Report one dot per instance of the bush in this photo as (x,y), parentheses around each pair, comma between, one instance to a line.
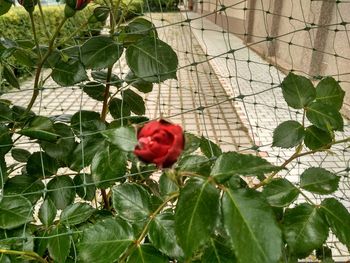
(16,25)
(129,8)
(160,5)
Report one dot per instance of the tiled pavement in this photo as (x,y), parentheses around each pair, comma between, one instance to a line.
(198,99)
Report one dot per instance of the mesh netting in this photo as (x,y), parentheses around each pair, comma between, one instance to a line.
(233,56)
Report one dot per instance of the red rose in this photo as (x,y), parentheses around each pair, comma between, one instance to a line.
(160,142)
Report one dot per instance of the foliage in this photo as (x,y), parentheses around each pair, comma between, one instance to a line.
(160,5)
(16,25)
(200,210)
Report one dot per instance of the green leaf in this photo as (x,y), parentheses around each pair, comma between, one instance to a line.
(100,52)
(319,181)
(234,164)
(41,128)
(218,252)
(288,134)
(338,218)
(162,235)
(105,241)
(59,244)
(85,151)
(6,114)
(3,171)
(101,76)
(4,8)
(15,211)
(280,192)
(20,238)
(195,163)
(209,148)
(87,122)
(53,58)
(47,212)
(85,190)
(41,165)
(20,155)
(5,140)
(324,117)
(136,30)
(94,90)
(118,108)
(107,166)
(63,146)
(250,223)
(61,191)
(316,138)
(196,215)
(329,92)
(10,76)
(298,91)
(76,213)
(146,253)
(69,73)
(304,229)
(27,186)
(167,184)
(192,143)
(25,57)
(101,13)
(123,137)
(132,202)
(134,101)
(140,84)
(19,114)
(152,60)
(142,26)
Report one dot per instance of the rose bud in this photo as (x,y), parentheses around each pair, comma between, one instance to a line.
(29,5)
(77,4)
(160,142)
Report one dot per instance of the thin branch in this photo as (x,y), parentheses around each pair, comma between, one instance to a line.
(41,64)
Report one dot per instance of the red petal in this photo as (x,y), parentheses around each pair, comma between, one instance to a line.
(148,129)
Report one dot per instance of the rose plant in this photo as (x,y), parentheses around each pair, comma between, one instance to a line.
(140,190)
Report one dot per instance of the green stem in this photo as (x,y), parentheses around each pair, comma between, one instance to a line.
(146,226)
(41,64)
(105,199)
(43,20)
(306,197)
(36,41)
(106,93)
(30,254)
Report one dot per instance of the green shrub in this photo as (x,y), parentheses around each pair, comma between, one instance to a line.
(129,8)
(16,25)
(160,5)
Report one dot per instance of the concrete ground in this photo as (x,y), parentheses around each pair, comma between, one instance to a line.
(205,98)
